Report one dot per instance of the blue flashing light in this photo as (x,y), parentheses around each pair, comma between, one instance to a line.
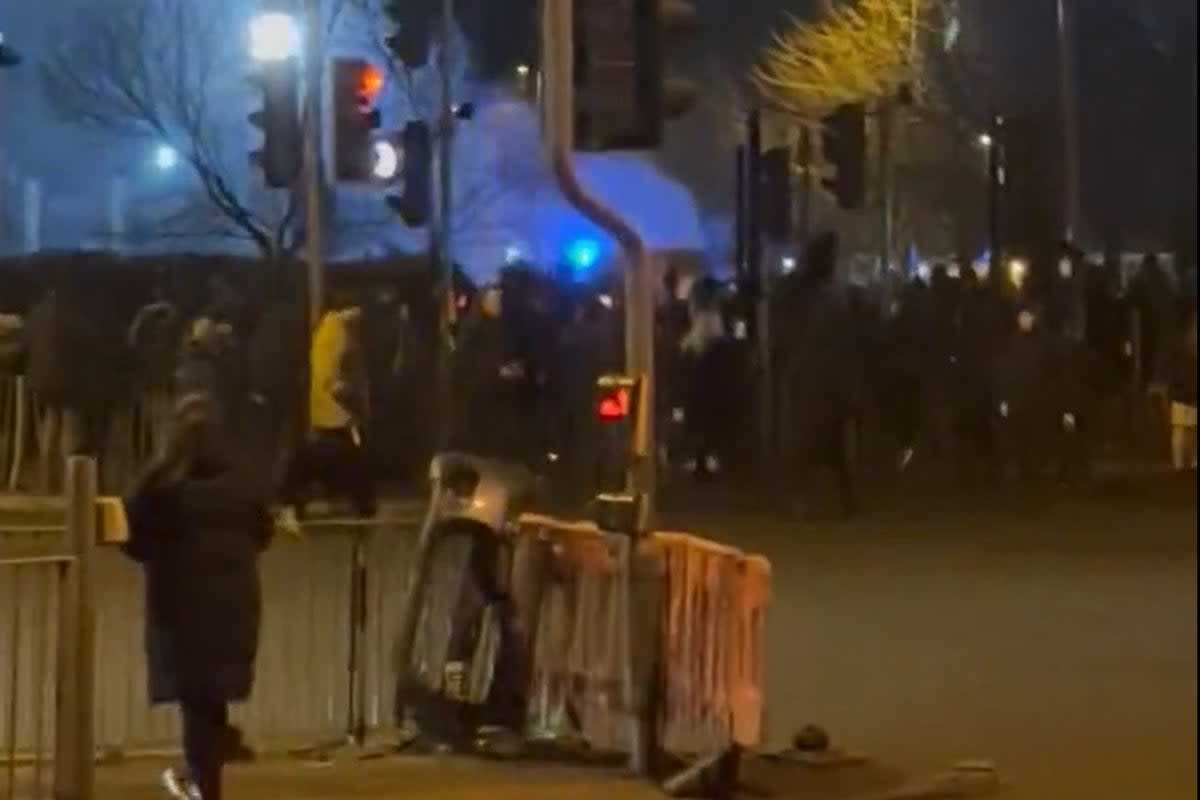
(582,256)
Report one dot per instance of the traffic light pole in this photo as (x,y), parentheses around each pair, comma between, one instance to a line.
(441,235)
(557,44)
(314,239)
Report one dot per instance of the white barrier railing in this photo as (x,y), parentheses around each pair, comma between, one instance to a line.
(326,670)
(129,436)
(46,653)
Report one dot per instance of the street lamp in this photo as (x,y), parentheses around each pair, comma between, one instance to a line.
(985,141)
(166,158)
(274,36)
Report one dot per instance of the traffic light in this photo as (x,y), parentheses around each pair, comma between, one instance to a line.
(622,93)
(620,410)
(1031,197)
(844,145)
(279,157)
(775,185)
(409,44)
(414,204)
(356,84)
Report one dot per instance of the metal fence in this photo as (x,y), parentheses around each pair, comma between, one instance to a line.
(131,434)
(325,668)
(45,653)
(73,668)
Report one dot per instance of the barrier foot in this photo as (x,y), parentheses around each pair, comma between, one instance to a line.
(713,777)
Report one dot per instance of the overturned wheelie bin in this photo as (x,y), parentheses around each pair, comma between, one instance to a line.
(578,637)
(461,651)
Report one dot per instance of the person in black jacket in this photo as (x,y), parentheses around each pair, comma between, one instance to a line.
(197,524)
(74,368)
(1181,377)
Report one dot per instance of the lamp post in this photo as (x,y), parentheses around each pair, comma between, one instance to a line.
(277,36)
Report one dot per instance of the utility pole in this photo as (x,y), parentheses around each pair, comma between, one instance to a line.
(884,116)
(1068,112)
(314,239)
(557,47)
(806,175)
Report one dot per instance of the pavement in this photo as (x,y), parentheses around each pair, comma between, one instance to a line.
(457,778)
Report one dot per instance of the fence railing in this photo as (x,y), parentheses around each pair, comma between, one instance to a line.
(33,438)
(46,651)
(72,615)
(698,639)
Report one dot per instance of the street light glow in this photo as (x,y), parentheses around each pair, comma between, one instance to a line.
(274,36)
(985,140)
(166,158)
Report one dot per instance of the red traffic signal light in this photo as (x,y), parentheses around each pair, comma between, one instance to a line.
(370,83)
(357,85)
(614,405)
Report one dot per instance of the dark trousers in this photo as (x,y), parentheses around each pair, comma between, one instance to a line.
(332,458)
(205,734)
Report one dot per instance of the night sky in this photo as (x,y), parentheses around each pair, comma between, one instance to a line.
(1135,69)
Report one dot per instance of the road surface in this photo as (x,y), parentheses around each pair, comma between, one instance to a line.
(1053,635)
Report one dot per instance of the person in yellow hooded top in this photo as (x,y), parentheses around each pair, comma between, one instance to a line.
(333,454)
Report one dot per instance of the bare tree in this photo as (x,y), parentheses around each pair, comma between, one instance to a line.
(158,70)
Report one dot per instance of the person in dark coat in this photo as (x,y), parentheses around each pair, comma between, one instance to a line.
(1026,415)
(1181,382)
(488,378)
(207,364)
(197,523)
(826,374)
(74,368)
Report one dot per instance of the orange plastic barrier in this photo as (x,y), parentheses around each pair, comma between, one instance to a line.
(710,602)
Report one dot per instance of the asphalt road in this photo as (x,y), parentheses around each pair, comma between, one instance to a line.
(1051,633)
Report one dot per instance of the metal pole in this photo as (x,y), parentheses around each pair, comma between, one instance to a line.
(557,103)
(313,180)
(33,215)
(884,119)
(441,235)
(74,767)
(1068,110)
(993,195)
(116,214)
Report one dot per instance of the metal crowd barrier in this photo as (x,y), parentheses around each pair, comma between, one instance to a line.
(46,634)
(325,671)
(327,666)
(703,608)
(133,432)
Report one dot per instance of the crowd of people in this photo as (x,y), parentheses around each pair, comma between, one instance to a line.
(967,370)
